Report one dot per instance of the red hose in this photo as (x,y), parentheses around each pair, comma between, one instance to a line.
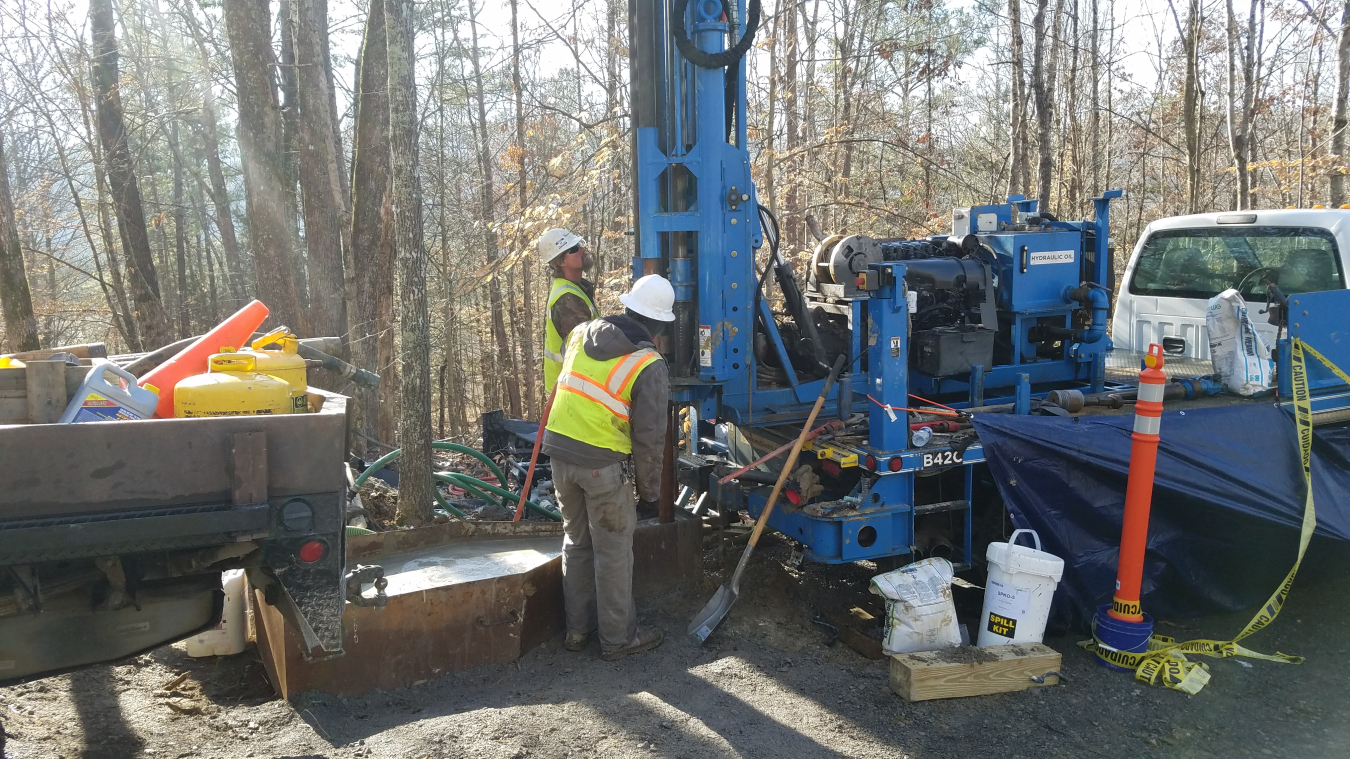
(534,456)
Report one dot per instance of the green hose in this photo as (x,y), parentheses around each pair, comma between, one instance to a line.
(474,484)
(456,447)
(487,460)
(353,531)
(440,501)
(450,478)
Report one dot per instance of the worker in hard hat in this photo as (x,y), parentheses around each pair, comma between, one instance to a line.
(571,298)
(610,409)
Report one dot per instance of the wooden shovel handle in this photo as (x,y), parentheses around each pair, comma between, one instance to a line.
(796,449)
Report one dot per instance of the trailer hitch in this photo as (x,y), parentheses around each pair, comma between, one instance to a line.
(367,573)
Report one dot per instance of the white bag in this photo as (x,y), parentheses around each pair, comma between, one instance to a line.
(1240,355)
(920,615)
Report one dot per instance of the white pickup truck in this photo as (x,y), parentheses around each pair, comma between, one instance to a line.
(1181,262)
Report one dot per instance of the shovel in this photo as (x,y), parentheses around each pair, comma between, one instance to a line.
(716,610)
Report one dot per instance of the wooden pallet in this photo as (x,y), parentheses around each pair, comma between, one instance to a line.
(38,392)
(967,671)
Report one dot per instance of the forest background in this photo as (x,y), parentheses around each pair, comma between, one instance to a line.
(164,161)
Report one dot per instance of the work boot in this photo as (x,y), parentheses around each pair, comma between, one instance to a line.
(645,641)
(576,641)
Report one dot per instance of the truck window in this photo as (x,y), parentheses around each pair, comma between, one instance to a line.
(1201,263)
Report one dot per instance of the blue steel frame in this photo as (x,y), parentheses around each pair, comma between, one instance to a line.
(720,220)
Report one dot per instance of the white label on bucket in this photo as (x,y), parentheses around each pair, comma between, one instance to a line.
(1006,600)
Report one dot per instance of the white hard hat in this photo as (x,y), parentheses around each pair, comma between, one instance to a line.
(556,242)
(653,297)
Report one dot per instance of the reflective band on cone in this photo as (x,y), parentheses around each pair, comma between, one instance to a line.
(1139,491)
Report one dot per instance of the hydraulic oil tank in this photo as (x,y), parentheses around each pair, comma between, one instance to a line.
(284,363)
(232,386)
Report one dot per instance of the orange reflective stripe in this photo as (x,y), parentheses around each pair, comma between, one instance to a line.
(563,386)
(631,377)
(624,369)
(585,387)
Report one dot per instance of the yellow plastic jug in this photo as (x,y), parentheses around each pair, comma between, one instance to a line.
(232,387)
(284,364)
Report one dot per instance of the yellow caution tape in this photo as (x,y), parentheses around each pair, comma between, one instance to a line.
(1165,660)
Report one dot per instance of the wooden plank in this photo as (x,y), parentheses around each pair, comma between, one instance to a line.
(970,671)
(74,377)
(249,478)
(14,410)
(849,623)
(46,386)
(87,350)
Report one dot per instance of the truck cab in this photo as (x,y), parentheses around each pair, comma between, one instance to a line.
(1181,262)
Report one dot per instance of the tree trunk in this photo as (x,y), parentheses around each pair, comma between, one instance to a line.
(489,215)
(319,174)
(1017,172)
(126,192)
(525,325)
(372,240)
(1043,86)
(238,282)
(21,332)
(1191,102)
(1338,124)
(180,235)
(290,148)
(414,421)
(1237,128)
(249,27)
(792,210)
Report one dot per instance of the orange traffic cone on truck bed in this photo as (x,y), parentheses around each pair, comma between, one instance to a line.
(234,331)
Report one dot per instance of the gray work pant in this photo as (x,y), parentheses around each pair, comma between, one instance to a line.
(599,513)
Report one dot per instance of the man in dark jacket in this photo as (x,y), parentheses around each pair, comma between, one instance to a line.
(610,407)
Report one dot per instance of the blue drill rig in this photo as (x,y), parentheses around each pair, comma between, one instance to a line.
(1012,304)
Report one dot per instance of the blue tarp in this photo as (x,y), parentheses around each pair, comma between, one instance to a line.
(1227,502)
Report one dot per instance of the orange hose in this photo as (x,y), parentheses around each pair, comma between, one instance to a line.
(534,456)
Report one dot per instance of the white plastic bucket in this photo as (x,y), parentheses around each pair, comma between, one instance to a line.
(231,635)
(1018,593)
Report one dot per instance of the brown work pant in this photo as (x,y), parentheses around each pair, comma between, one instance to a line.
(599,516)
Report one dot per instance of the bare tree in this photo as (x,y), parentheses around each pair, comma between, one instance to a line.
(1017,173)
(414,421)
(525,325)
(504,376)
(322,191)
(248,25)
(21,332)
(1244,51)
(121,168)
(1338,124)
(1043,86)
(372,228)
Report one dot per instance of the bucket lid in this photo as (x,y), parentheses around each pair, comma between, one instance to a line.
(1014,558)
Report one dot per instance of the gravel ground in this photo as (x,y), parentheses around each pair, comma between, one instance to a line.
(766,685)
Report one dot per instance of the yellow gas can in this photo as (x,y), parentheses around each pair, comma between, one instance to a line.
(284,364)
(232,387)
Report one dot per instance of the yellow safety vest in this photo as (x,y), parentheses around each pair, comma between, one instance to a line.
(553,343)
(594,397)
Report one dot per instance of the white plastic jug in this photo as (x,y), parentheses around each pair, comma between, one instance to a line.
(101,400)
(231,635)
(1018,593)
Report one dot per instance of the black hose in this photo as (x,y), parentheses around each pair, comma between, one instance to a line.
(725,58)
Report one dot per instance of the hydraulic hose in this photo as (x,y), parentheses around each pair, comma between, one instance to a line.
(728,57)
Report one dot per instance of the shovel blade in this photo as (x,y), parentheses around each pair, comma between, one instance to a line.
(712,615)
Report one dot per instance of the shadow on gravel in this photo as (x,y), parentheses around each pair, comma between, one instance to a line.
(93,693)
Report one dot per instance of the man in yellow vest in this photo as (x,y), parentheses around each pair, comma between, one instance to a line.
(571,299)
(611,406)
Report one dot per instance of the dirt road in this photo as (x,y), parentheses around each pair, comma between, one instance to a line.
(764,686)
